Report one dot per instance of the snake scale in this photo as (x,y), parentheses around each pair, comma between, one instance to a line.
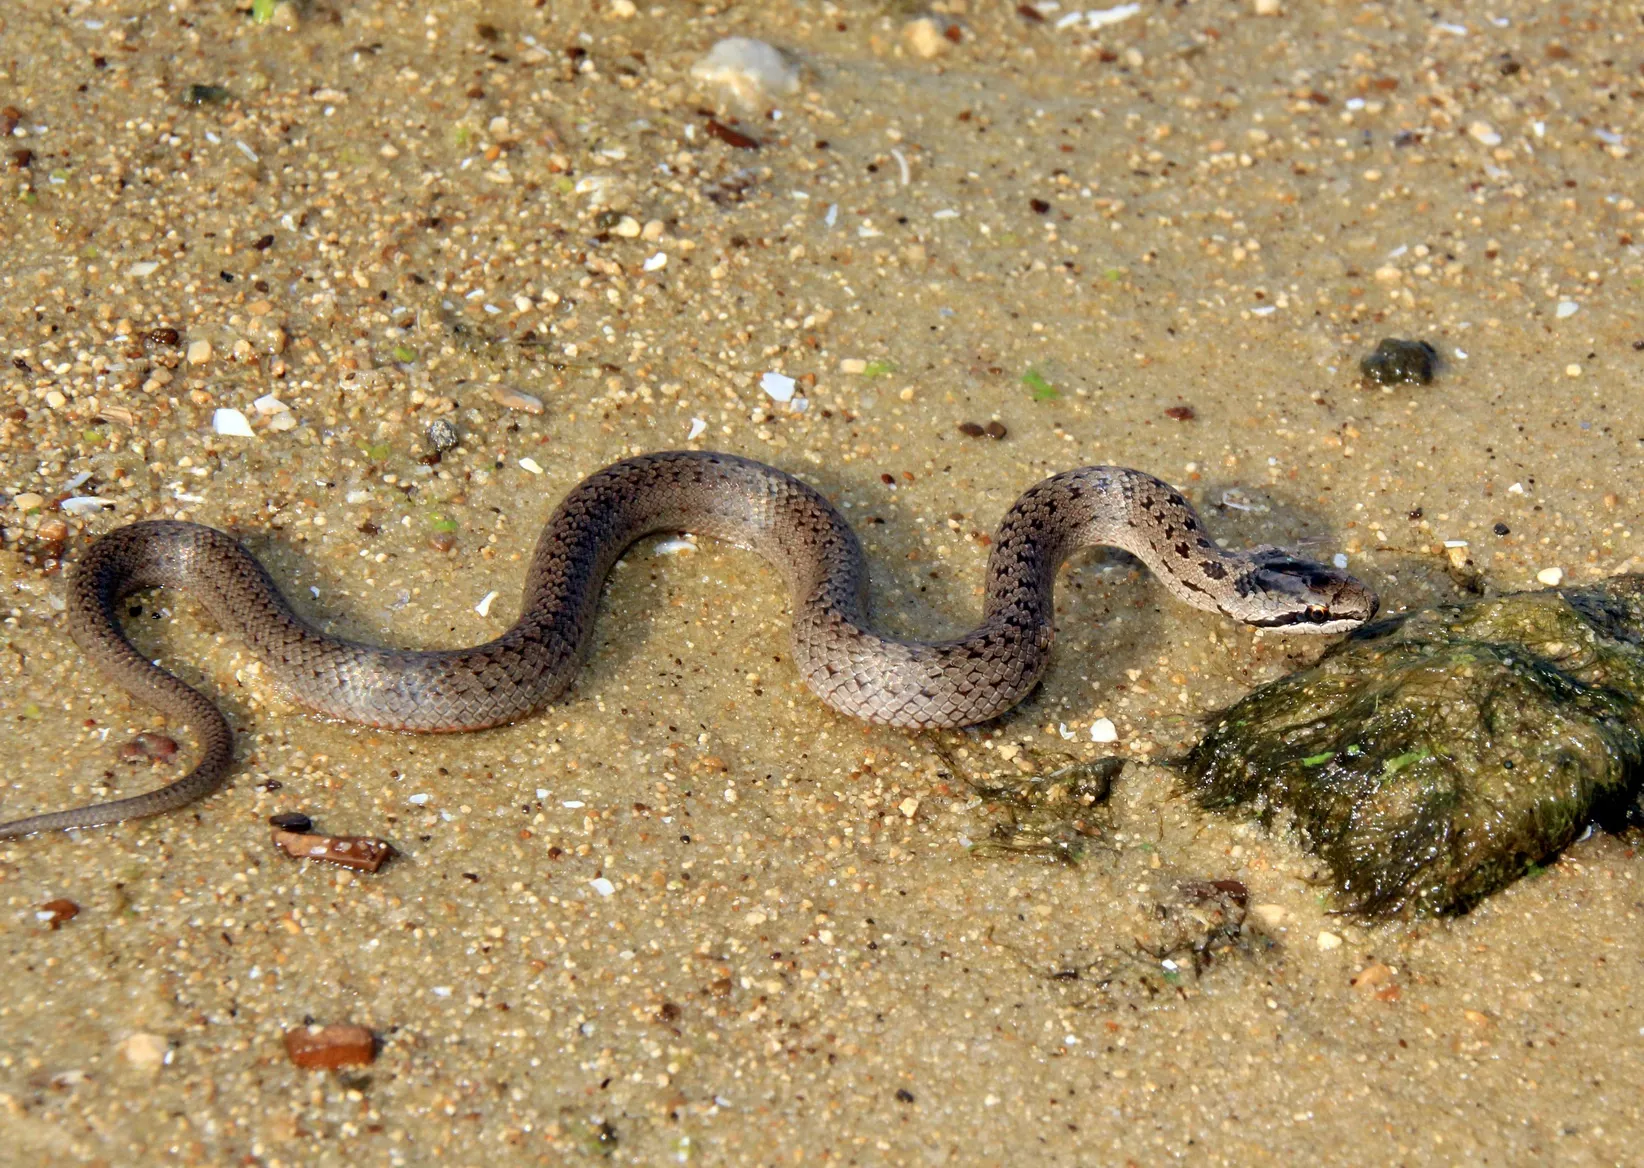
(850,667)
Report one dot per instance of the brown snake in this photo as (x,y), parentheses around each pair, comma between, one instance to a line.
(901,683)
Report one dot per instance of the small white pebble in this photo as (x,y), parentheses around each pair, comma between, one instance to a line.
(573,804)
(1552,577)
(440,991)
(142,269)
(698,428)
(1103,730)
(83,505)
(1516,489)
(542,792)
(777,386)
(531,465)
(1339,559)
(624,9)
(853,365)
(484,606)
(1572,370)
(269,404)
(199,352)
(231,423)
(1567,308)
(673,547)
(1485,133)
(147,1052)
(657,262)
(1271,915)
(1267,7)
(908,806)
(602,886)
(418,800)
(1328,941)
(1102,17)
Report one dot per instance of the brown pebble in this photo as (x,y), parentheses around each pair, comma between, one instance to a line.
(163,336)
(54,912)
(22,159)
(995,430)
(149,746)
(292,821)
(9,117)
(327,1048)
(361,853)
(971,430)
(442,541)
(1181,413)
(53,531)
(1371,976)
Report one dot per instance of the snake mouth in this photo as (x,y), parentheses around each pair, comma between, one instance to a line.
(1314,618)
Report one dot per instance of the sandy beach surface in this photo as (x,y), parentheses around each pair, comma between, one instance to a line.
(689,915)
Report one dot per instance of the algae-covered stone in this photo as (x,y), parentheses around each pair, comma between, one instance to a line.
(1396,361)
(1433,758)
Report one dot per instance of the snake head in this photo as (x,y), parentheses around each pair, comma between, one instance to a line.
(1301,596)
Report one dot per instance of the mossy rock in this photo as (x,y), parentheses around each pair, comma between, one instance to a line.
(1435,757)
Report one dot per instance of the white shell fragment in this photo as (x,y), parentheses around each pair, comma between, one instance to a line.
(749,70)
(778,386)
(484,606)
(231,424)
(698,428)
(1103,730)
(83,505)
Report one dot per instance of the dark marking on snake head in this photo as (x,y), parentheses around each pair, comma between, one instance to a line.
(1212,569)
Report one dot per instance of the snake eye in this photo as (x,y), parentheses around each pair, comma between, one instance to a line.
(1317,614)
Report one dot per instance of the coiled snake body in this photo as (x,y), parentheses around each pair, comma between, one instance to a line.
(853,669)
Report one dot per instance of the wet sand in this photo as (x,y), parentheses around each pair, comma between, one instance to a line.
(690,915)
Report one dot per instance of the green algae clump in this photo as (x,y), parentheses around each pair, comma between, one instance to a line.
(1433,758)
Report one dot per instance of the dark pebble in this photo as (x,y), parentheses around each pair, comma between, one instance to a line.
(442,436)
(208,94)
(1395,361)
(54,912)
(1181,413)
(442,541)
(995,430)
(163,336)
(971,430)
(1503,529)
(294,821)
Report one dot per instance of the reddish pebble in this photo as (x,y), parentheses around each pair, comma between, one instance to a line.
(995,430)
(156,747)
(327,1048)
(971,430)
(1181,413)
(54,912)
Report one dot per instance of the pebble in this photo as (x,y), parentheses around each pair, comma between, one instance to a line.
(442,436)
(27,501)
(268,405)
(1328,941)
(1485,133)
(54,912)
(926,36)
(1103,730)
(199,352)
(516,399)
(657,262)
(1567,308)
(1270,915)
(146,1052)
(1267,7)
(628,227)
(1552,577)
(149,746)
(292,821)
(747,69)
(328,1048)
